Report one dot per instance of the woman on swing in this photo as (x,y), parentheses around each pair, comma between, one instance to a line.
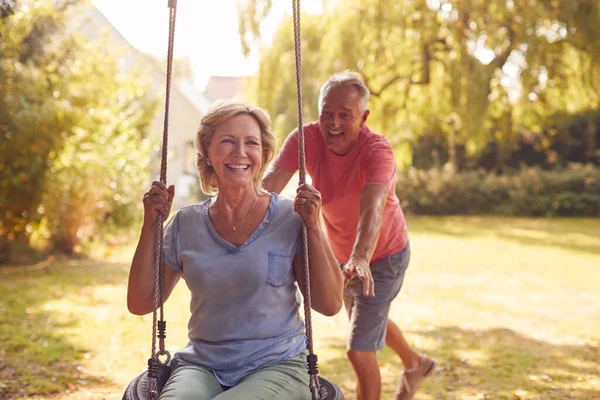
(239,253)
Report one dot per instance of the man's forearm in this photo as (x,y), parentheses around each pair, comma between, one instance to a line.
(276,179)
(369,227)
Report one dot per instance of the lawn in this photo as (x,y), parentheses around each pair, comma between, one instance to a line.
(509,308)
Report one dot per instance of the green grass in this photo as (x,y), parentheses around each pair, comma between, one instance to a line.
(509,308)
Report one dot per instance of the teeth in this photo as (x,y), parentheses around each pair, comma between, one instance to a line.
(238,167)
(335,133)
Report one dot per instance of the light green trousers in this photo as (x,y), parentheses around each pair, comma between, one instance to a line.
(286,380)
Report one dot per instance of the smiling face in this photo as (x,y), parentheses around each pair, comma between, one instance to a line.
(235,152)
(341,118)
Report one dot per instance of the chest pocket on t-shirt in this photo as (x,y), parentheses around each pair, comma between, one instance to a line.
(280,268)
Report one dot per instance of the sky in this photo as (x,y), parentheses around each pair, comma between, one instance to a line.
(206,31)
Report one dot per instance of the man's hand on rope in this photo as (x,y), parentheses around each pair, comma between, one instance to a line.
(308,205)
(359,267)
(158,200)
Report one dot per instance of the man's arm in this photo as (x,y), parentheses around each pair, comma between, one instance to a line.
(372,203)
(275,179)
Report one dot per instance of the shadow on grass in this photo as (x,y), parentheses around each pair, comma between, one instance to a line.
(584,234)
(495,363)
(37,357)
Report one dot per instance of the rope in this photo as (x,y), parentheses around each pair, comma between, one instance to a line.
(158,268)
(312,358)
(160,325)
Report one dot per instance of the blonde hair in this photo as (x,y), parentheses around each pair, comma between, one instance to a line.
(346,77)
(219,113)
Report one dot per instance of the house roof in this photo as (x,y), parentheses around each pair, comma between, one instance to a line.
(192,95)
(97,22)
(223,87)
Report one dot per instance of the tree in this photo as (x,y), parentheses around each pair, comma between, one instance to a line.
(443,67)
(275,89)
(68,121)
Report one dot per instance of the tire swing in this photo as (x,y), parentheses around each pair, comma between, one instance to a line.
(149,384)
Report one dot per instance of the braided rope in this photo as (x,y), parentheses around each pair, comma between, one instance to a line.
(312,358)
(158,253)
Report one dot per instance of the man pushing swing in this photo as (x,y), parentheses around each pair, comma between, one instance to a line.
(354,169)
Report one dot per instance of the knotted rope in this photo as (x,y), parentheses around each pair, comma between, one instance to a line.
(312,358)
(161,325)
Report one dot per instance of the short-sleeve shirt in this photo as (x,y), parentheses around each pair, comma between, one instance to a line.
(245,300)
(340,179)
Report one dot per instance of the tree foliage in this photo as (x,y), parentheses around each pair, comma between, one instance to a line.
(72,129)
(460,73)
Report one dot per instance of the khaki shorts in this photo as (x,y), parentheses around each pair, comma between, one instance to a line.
(368,315)
(285,380)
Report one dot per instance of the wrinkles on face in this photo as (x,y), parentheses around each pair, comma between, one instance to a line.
(235,151)
(341,118)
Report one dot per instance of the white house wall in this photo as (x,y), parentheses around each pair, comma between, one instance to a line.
(186,106)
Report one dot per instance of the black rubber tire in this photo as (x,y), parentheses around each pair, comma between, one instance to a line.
(138,388)
(328,390)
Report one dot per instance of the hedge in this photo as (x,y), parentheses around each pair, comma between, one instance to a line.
(568,191)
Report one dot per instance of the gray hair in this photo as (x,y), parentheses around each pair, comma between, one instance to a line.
(346,78)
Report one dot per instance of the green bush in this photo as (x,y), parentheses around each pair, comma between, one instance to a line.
(570,191)
(74,128)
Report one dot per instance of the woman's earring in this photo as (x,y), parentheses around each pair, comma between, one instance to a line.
(208,163)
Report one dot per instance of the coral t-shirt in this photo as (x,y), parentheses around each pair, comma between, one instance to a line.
(340,179)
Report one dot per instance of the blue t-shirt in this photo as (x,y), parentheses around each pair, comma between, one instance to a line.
(245,300)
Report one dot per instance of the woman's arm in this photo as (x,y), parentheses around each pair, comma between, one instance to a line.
(326,279)
(140,287)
